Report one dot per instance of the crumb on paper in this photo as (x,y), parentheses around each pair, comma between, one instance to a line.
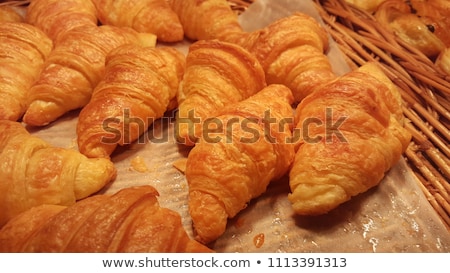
(258,240)
(138,164)
(180,164)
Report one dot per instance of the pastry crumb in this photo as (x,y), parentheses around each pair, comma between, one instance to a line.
(180,165)
(258,240)
(138,164)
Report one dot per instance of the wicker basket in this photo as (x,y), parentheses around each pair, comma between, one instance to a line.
(425,90)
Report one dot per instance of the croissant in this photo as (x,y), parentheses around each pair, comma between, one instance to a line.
(9,14)
(137,87)
(33,172)
(153,16)
(130,220)
(207,19)
(291,51)
(248,146)
(369,6)
(23,51)
(217,74)
(352,134)
(55,16)
(73,69)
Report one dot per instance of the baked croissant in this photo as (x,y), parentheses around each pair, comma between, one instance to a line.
(137,87)
(292,52)
(352,134)
(217,74)
(247,146)
(130,220)
(55,16)
(9,14)
(73,69)
(153,16)
(207,19)
(369,6)
(33,172)
(23,51)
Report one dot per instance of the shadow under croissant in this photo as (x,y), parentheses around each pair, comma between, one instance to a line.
(242,227)
(335,218)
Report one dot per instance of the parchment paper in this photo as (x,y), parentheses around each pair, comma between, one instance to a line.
(393,217)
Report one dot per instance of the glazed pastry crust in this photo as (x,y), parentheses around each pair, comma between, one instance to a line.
(207,19)
(217,74)
(365,140)
(369,6)
(291,51)
(139,83)
(234,164)
(151,16)
(130,220)
(55,17)
(73,69)
(22,55)
(33,172)
(9,14)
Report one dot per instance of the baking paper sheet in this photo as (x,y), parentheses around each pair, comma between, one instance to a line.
(393,217)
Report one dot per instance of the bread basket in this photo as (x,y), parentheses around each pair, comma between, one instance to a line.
(424,88)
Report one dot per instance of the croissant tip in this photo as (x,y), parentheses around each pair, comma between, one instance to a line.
(37,114)
(208,216)
(316,199)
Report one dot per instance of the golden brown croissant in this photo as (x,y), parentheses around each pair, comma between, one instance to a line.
(23,51)
(73,69)
(153,16)
(217,74)
(137,87)
(248,146)
(9,14)
(55,16)
(369,6)
(206,19)
(419,24)
(352,134)
(130,220)
(33,172)
(292,52)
